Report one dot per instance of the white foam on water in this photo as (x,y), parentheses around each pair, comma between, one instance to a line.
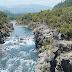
(21,61)
(19,69)
(22,44)
(12,61)
(28,54)
(22,53)
(9,48)
(6,42)
(30,42)
(4,58)
(12,41)
(4,70)
(33,50)
(14,47)
(30,62)
(17,41)
(10,64)
(27,42)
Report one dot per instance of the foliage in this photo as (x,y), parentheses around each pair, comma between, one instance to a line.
(12,17)
(3,17)
(5,25)
(44,68)
(66,3)
(56,18)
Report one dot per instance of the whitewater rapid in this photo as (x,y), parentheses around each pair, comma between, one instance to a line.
(18,52)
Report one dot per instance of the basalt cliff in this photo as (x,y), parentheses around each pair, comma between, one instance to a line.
(54,49)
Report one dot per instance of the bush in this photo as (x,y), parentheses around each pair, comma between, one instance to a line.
(44,68)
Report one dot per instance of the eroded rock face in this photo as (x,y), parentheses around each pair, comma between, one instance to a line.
(59,57)
(67,67)
(64,57)
(62,46)
(5,31)
(63,64)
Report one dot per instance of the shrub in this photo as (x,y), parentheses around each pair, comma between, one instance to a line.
(44,68)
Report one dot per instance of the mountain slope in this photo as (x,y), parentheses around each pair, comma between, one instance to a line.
(56,18)
(66,3)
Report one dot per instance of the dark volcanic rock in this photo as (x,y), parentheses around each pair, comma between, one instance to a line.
(5,31)
(59,57)
(1,40)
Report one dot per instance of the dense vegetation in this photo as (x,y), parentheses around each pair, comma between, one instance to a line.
(66,3)
(11,16)
(57,18)
(4,22)
(5,26)
(3,17)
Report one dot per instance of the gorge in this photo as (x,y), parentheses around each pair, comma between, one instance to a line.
(18,53)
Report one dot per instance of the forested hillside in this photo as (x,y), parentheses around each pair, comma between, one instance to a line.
(57,18)
(5,26)
(66,3)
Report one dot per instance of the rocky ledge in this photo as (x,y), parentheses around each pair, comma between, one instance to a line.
(54,52)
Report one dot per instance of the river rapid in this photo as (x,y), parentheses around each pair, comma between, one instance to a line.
(18,53)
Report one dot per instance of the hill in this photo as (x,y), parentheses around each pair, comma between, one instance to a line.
(61,19)
(66,3)
(24,9)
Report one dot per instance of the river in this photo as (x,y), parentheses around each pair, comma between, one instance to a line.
(18,53)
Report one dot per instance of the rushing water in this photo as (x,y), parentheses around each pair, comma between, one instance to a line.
(18,52)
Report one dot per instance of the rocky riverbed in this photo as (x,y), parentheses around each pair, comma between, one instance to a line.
(54,52)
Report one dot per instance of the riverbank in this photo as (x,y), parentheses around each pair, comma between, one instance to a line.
(5,31)
(6,27)
(42,39)
(54,52)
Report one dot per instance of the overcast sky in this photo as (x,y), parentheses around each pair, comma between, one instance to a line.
(41,2)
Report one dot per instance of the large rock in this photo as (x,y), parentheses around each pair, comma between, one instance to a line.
(59,58)
(1,40)
(62,46)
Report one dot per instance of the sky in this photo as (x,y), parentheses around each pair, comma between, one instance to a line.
(41,2)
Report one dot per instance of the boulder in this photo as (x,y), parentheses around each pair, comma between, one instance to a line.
(21,39)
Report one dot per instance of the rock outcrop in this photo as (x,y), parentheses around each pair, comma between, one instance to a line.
(5,31)
(54,54)
(64,56)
